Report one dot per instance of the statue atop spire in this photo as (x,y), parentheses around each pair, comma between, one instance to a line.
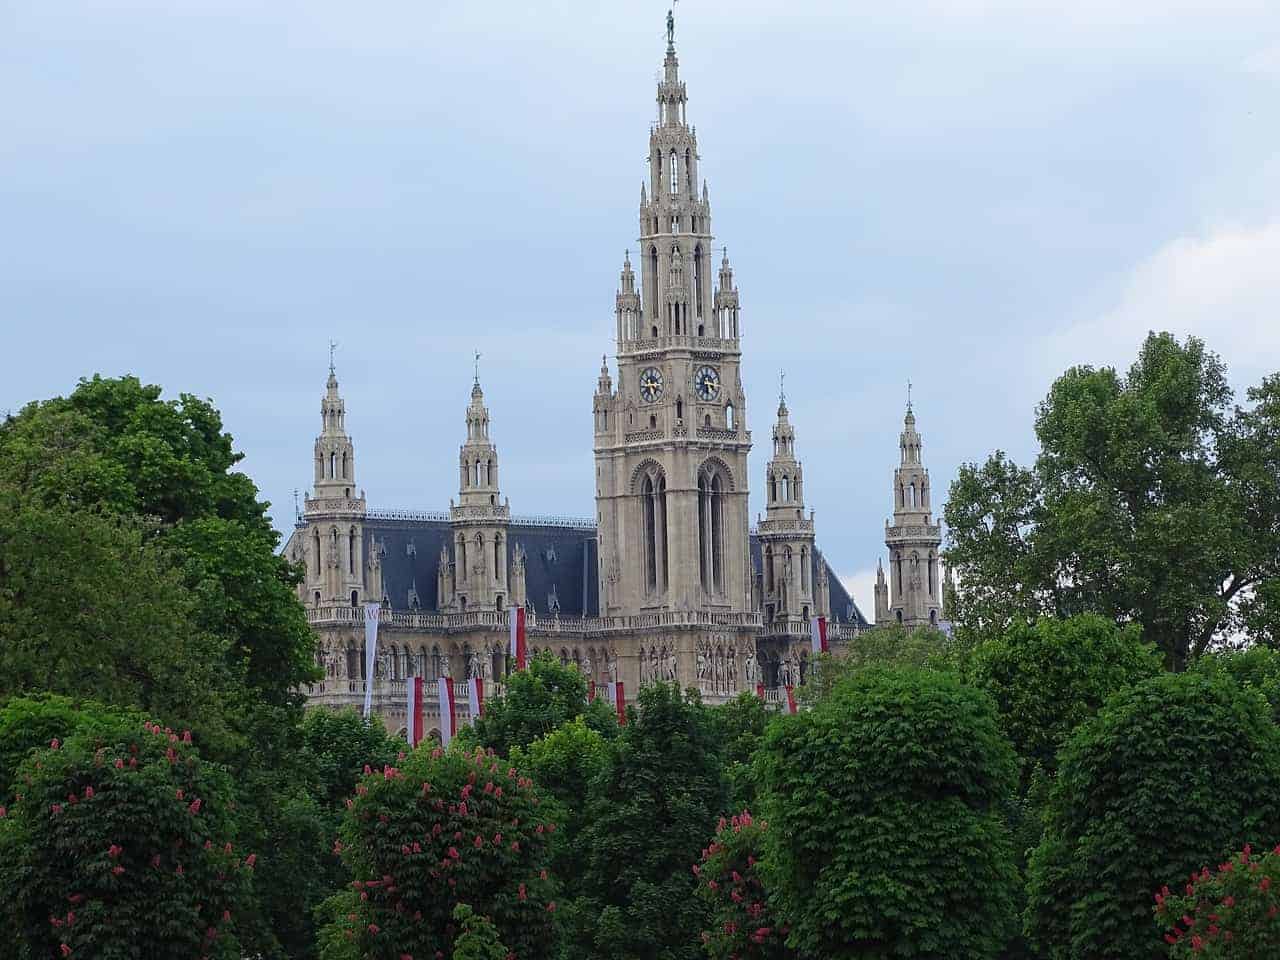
(671,29)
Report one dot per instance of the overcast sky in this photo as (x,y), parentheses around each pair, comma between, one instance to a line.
(970,194)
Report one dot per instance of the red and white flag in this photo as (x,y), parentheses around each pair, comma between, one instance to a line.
(448,715)
(618,699)
(818,634)
(413,711)
(760,690)
(591,691)
(791,699)
(372,611)
(516,616)
(475,693)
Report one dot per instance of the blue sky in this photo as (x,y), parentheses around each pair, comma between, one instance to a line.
(970,194)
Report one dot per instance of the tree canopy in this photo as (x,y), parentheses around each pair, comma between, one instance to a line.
(1153,500)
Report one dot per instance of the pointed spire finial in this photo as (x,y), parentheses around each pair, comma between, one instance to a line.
(477,368)
(333,345)
(782,387)
(908,396)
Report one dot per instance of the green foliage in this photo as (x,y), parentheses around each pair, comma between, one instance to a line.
(477,937)
(1257,668)
(114,843)
(889,645)
(1233,912)
(649,814)
(1134,470)
(537,701)
(730,882)
(1171,774)
(336,747)
(90,608)
(885,837)
(564,764)
(443,829)
(29,724)
(1048,677)
(738,727)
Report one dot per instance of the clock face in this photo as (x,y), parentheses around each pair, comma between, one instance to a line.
(650,384)
(707,383)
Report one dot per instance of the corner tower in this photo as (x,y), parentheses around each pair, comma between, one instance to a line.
(786,537)
(334,513)
(477,579)
(914,593)
(671,441)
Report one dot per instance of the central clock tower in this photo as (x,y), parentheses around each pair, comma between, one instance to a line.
(671,440)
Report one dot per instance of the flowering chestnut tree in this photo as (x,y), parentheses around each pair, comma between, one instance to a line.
(729,880)
(1231,912)
(115,850)
(442,829)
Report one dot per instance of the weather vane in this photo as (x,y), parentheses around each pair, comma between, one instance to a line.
(333,345)
(782,386)
(908,394)
(477,366)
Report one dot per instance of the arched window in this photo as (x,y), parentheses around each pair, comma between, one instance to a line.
(653,422)
(488,472)
(317,598)
(675,173)
(804,572)
(768,569)
(911,492)
(344,465)
(333,459)
(697,284)
(728,416)
(355,598)
(932,566)
(650,536)
(478,481)
(497,559)
(462,559)
(316,551)
(351,551)
(679,409)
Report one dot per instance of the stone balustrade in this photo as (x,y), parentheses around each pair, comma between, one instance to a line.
(499,621)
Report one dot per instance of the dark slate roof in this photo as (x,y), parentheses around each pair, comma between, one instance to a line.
(560,562)
(560,566)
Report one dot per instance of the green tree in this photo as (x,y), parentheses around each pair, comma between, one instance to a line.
(1257,668)
(885,837)
(1171,774)
(564,764)
(115,843)
(649,815)
(738,727)
(477,937)
(1049,677)
(537,701)
(91,607)
(1133,470)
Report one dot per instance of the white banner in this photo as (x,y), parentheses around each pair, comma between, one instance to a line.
(371,612)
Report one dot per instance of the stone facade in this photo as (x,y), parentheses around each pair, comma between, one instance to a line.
(913,595)
(668,582)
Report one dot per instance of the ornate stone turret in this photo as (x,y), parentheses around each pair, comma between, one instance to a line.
(480,522)
(786,534)
(913,539)
(334,513)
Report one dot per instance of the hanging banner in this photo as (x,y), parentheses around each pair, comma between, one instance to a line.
(591,691)
(371,614)
(760,690)
(448,715)
(413,711)
(516,616)
(475,693)
(620,703)
(818,634)
(791,699)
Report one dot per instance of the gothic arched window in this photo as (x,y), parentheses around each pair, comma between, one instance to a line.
(768,569)
(351,551)
(333,459)
(804,570)
(316,549)
(675,173)
(728,416)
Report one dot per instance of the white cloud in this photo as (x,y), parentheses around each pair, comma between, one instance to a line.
(1223,287)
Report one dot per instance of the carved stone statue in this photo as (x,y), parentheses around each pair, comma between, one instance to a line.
(750,669)
(671,666)
(671,26)
(654,669)
(702,664)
